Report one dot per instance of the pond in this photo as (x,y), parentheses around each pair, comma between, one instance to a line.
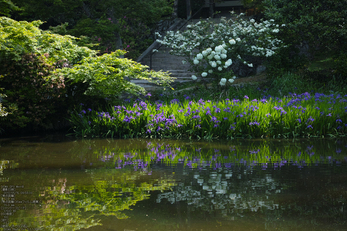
(56,183)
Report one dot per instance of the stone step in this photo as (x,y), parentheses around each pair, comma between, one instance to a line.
(164,61)
(168,58)
(169,63)
(163,68)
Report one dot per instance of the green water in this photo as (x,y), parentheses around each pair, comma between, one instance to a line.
(55,183)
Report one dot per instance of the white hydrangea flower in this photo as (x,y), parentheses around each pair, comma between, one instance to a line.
(194,77)
(217,57)
(196,61)
(223,81)
(199,56)
(231,80)
(219,62)
(203,74)
(238,39)
(223,56)
(232,41)
(213,64)
(228,62)
(218,48)
(220,68)
(250,65)
(210,71)
(252,20)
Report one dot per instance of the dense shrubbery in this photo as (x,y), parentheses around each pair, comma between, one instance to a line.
(315,34)
(45,74)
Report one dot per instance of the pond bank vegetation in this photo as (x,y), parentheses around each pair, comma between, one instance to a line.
(225,113)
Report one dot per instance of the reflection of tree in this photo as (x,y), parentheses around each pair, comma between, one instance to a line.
(113,193)
(7,164)
(233,181)
(74,207)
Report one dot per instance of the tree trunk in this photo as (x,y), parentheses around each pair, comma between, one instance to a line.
(189,10)
(211,11)
(175,6)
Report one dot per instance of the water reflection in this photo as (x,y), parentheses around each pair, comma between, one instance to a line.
(173,185)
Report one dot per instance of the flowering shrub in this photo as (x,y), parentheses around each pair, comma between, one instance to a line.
(211,48)
(303,115)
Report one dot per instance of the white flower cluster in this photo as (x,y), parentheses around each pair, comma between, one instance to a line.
(3,111)
(212,47)
(223,81)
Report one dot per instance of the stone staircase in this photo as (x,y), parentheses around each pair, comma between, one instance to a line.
(164,61)
(175,65)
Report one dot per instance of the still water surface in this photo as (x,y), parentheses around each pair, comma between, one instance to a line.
(54,183)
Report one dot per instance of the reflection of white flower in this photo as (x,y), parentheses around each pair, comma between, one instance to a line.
(194,77)
(232,196)
(203,74)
